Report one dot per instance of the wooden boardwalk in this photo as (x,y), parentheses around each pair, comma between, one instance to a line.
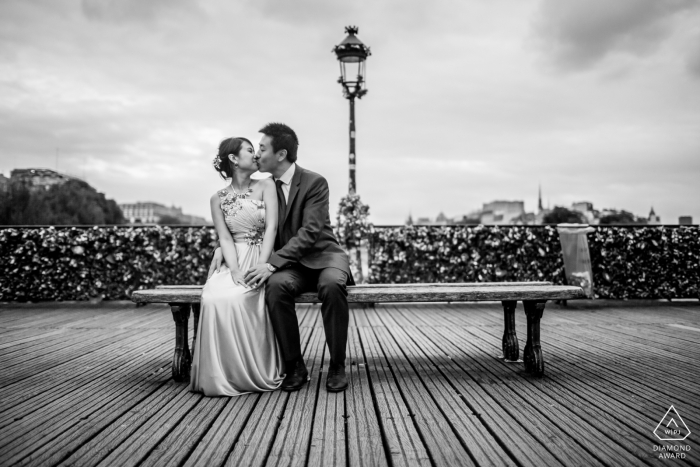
(89,384)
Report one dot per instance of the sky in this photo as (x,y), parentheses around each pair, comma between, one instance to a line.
(469,101)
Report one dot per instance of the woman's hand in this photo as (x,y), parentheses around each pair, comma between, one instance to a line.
(238,278)
(216,262)
(257,275)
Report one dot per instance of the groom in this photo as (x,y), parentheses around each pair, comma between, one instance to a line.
(307,258)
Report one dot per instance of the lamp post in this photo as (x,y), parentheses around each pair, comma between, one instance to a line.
(351,54)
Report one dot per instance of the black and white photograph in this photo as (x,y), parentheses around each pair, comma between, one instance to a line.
(349,233)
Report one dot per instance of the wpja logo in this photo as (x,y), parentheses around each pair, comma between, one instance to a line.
(671,428)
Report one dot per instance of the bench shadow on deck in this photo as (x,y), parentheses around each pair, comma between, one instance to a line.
(90,384)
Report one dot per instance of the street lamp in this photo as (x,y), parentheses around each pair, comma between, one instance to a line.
(352,54)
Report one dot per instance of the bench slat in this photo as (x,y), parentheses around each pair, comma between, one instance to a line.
(417,284)
(401,293)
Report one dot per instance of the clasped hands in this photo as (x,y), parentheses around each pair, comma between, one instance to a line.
(254,277)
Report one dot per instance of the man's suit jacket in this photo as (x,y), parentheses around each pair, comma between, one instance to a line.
(304,235)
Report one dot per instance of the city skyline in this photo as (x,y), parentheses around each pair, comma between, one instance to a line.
(515,211)
(468,102)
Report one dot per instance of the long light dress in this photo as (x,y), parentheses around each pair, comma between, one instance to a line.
(236,350)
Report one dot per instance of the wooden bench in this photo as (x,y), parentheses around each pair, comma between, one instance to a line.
(534,295)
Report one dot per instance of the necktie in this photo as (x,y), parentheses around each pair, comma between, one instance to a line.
(281,202)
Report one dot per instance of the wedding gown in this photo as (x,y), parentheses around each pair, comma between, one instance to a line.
(236,351)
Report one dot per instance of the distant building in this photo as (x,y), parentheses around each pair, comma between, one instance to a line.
(423,221)
(39,178)
(442,219)
(409,221)
(153,213)
(586,208)
(4,183)
(501,212)
(525,218)
(653,218)
(582,206)
(468,219)
(685,220)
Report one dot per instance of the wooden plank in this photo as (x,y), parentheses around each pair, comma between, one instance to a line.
(308,315)
(364,437)
(82,316)
(58,358)
(474,437)
(641,355)
(586,343)
(610,379)
(224,433)
(91,443)
(35,345)
(436,358)
(292,440)
(52,348)
(613,400)
(176,447)
(667,344)
(33,440)
(19,400)
(585,440)
(55,377)
(143,440)
(523,443)
(328,441)
(442,444)
(41,391)
(609,404)
(70,394)
(410,293)
(400,435)
(638,377)
(412,284)
(12,343)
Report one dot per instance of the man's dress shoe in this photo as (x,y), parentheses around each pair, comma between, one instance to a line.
(296,378)
(336,381)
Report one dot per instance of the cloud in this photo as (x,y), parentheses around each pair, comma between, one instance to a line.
(137,96)
(304,11)
(579,34)
(118,11)
(693,57)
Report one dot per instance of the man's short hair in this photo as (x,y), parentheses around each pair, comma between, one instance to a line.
(282,137)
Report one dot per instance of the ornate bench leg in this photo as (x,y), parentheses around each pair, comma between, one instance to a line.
(511,351)
(534,363)
(181,358)
(196,308)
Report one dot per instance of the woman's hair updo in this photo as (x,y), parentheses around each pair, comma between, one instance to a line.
(222,164)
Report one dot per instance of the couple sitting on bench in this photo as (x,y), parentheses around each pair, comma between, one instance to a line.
(248,335)
(277,248)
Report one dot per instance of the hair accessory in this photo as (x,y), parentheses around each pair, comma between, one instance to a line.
(217,163)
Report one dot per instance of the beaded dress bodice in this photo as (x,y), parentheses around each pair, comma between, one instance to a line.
(245,217)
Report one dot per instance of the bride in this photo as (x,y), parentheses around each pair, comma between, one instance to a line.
(236,350)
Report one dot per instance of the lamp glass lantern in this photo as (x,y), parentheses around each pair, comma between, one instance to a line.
(352,54)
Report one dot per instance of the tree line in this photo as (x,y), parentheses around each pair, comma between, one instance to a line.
(73,202)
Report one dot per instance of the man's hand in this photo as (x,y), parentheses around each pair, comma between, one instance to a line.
(216,262)
(257,275)
(237,277)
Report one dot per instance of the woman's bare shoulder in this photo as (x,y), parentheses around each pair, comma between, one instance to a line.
(217,195)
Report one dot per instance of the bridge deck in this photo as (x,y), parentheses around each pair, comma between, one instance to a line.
(89,384)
